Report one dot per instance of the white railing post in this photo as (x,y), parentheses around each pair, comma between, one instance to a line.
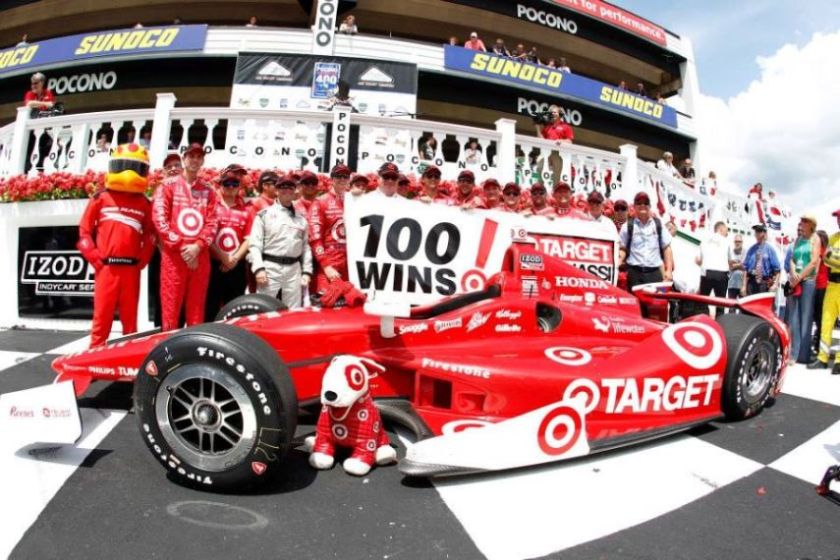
(79,146)
(506,150)
(161,126)
(630,174)
(20,139)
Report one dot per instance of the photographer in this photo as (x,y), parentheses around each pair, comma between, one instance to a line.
(551,126)
(39,98)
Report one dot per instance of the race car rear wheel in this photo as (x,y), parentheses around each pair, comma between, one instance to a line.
(753,364)
(250,304)
(217,407)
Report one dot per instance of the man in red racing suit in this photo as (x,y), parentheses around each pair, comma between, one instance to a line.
(116,236)
(326,231)
(184,213)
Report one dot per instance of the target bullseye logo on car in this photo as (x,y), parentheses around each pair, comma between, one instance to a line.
(697,344)
(568,356)
(559,430)
(190,221)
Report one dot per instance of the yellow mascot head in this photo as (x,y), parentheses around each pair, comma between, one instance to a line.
(128,169)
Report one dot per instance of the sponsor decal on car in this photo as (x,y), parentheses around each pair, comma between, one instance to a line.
(508,328)
(651,394)
(530,286)
(576,282)
(414,329)
(442,326)
(472,371)
(616,325)
(569,298)
(477,320)
(531,262)
(697,344)
(508,314)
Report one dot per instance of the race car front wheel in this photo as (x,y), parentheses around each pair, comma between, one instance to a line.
(216,406)
(753,364)
(250,304)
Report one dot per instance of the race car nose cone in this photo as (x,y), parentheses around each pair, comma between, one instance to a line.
(206,415)
(330,396)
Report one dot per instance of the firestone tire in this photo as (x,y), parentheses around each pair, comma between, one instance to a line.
(215,405)
(753,365)
(250,304)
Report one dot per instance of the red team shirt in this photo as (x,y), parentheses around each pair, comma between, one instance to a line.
(118,226)
(234,225)
(326,230)
(184,213)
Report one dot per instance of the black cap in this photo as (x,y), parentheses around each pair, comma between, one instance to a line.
(269,176)
(389,169)
(759,227)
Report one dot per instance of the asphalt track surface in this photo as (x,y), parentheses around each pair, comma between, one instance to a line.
(728,490)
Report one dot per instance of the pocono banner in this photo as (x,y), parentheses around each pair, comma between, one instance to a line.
(557,83)
(414,252)
(119,42)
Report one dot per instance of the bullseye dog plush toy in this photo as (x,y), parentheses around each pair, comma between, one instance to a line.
(349,419)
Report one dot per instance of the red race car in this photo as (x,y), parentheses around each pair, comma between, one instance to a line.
(547,362)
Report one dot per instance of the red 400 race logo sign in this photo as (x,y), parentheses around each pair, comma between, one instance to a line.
(417,253)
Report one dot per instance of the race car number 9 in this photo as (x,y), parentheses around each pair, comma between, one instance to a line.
(404,237)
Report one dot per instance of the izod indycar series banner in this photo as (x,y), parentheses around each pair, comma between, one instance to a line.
(311,82)
(118,42)
(414,252)
(54,280)
(557,83)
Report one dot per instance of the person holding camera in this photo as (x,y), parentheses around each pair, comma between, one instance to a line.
(39,97)
(551,126)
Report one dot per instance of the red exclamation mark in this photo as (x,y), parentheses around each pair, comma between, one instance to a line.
(474,279)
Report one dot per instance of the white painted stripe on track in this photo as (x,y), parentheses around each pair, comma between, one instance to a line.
(809,461)
(525,514)
(9,359)
(28,483)
(815,384)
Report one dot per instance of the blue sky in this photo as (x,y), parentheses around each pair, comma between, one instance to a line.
(728,35)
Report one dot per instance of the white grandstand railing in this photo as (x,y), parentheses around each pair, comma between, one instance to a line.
(263,139)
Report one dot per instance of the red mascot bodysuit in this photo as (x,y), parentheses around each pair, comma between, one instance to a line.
(116,236)
(184,214)
(327,238)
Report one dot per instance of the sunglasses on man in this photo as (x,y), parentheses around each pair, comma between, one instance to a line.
(230,183)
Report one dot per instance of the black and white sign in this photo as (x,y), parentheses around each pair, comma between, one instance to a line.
(54,280)
(323,32)
(311,82)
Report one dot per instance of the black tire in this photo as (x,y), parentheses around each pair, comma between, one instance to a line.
(754,361)
(250,304)
(215,404)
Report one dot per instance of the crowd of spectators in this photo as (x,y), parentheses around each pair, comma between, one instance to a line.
(519,52)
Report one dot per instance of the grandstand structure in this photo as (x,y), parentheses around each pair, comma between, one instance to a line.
(292,93)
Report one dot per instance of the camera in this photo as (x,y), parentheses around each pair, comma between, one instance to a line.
(543,117)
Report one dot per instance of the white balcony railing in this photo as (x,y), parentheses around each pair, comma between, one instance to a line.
(296,139)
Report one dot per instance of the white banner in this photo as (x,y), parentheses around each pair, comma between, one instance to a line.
(418,253)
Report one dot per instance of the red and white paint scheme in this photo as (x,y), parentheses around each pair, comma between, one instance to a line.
(546,362)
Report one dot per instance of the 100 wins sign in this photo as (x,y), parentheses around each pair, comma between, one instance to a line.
(418,253)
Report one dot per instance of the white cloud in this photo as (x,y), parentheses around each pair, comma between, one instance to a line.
(783,130)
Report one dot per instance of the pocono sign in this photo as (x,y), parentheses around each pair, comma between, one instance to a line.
(417,253)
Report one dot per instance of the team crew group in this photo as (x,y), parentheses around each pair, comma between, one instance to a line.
(214,245)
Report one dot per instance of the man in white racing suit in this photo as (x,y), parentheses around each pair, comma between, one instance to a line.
(279,248)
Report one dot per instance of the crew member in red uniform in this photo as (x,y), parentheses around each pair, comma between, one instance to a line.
(466,194)
(116,236)
(539,202)
(308,189)
(184,213)
(491,195)
(430,184)
(326,231)
(267,187)
(227,254)
(511,198)
(563,202)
